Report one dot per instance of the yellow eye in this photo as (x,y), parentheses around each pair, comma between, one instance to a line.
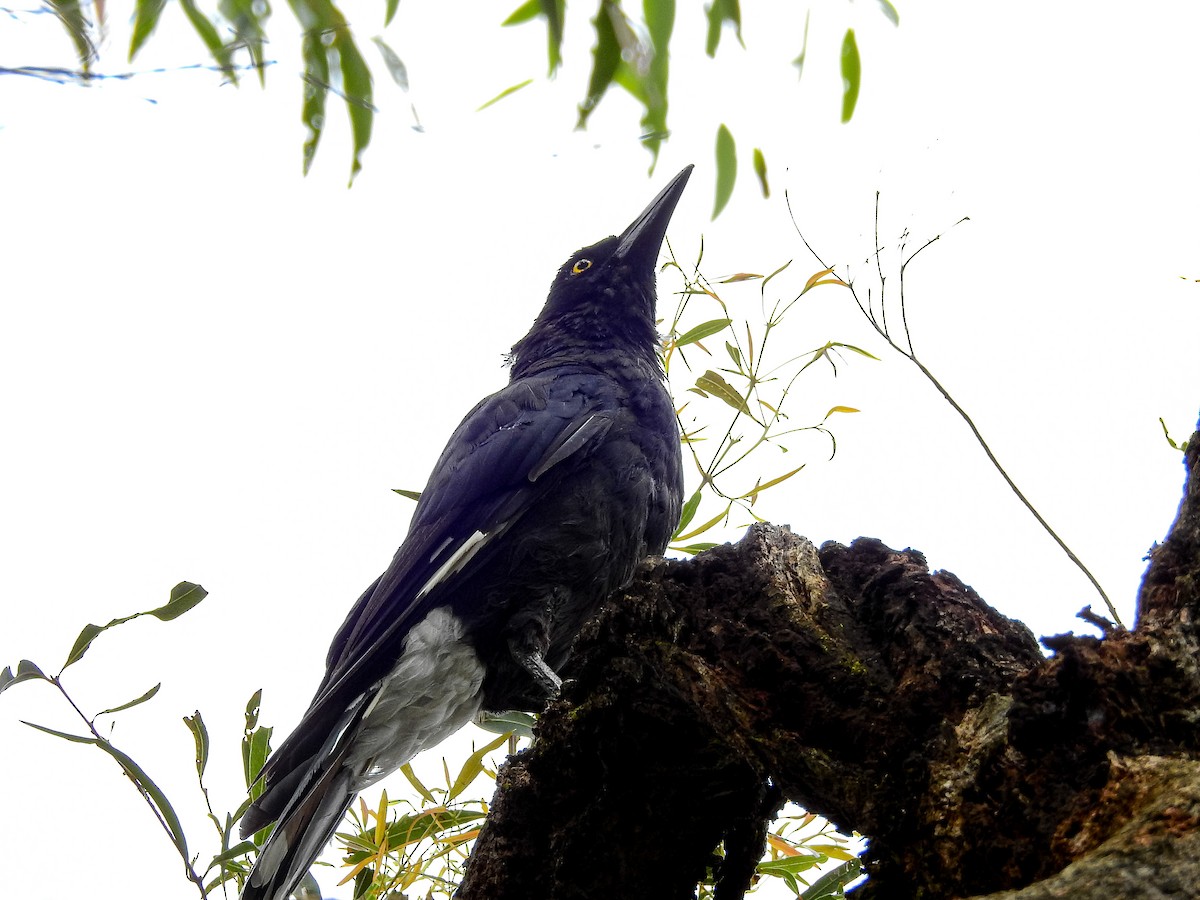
(582,266)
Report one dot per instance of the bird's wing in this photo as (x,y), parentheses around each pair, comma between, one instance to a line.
(493,469)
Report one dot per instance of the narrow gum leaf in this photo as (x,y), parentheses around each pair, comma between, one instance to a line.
(504,93)
(758,489)
(152,790)
(195,724)
(66,736)
(760,170)
(700,332)
(145,19)
(132,703)
(703,528)
(851,74)
(526,12)
(714,383)
(89,633)
(473,766)
(726,169)
(689,512)
(418,786)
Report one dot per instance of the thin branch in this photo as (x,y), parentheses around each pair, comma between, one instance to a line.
(910,354)
(191,873)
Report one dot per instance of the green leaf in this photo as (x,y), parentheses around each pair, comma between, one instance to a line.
(851,74)
(147,786)
(395,65)
(693,549)
(832,884)
(248,20)
(659,16)
(70,14)
(890,12)
(26,671)
(356,83)
(720,12)
(504,93)
(798,62)
(145,19)
(701,331)
(788,867)
(74,738)
(135,702)
(773,274)
(212,40)
(526,12)
(606,58)
(760,169)
(411,495)
(253,705)
(714,383)
(472,767)
(195,724)
(510,722)
(232,853)
(256,747)
(316,90)
(184,596)
(734,353)
(86,636)
(726,168)
(392,6)
(689,512)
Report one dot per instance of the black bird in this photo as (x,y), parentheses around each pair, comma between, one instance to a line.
(546,498)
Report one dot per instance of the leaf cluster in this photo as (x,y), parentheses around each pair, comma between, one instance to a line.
(743,392)
(629,53)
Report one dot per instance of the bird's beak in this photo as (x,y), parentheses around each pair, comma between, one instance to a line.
(640,242)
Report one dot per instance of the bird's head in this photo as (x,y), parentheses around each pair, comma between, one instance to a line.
(603,296)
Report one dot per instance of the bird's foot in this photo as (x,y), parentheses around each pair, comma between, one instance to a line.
(531,661)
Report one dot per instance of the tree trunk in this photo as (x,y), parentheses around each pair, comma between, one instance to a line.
(889,699)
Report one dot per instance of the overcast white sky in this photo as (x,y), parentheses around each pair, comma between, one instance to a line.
(214,369)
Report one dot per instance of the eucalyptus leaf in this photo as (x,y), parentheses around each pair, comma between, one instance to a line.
(26,671)
(135,702)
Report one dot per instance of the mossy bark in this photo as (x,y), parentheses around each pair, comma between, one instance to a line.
(890,699)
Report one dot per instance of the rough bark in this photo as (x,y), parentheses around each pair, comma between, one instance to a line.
(890,699)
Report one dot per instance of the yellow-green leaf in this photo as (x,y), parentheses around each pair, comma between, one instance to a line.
(851,74)
(759,488)
(504,93)
(760,169)
(472,767)
(703,528)
(715,384)
(840,409)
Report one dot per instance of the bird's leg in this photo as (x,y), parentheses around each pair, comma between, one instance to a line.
(531,661)
(529,639)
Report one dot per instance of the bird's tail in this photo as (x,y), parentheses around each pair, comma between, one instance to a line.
(305,826)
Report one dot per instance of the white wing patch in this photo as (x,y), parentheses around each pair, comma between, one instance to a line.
(433,690)
(457,560)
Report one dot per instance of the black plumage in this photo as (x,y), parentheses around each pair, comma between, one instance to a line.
(545,499)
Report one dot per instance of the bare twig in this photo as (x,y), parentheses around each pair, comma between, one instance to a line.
(907,351)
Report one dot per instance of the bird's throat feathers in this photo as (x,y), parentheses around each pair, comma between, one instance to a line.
(608,317)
